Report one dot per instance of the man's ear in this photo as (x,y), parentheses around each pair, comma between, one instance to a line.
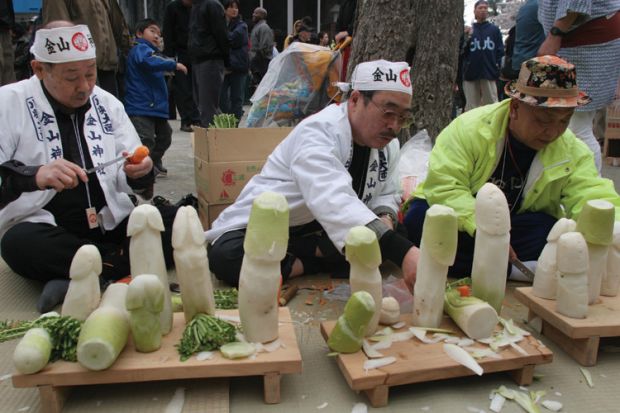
(514,106)
(37,68)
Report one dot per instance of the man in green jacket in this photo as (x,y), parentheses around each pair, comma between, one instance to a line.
(523,146)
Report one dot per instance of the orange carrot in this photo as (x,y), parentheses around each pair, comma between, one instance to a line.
(139,154)
(464,290)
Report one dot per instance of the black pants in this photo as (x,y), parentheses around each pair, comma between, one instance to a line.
(226,254)
(208,77)
(184,98)
(528,236)
(44,252)
(155,133)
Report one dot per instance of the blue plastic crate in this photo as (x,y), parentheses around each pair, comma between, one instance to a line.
(27,6)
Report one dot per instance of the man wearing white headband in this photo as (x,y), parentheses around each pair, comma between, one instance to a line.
(337,170)
(55,126)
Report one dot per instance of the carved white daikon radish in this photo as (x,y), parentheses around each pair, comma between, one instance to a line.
(265,244)
(146,254)
(84,292)
(390,311)
(192,264)
(596,223)
(144,302)
(115,296)
(545,281)
(362,252)
(611,280)
(488,274)
(437,253)
(572,292)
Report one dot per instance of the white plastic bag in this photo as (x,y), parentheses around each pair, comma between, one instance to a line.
(413,163)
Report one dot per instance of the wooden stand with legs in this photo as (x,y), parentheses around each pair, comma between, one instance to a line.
(578,337)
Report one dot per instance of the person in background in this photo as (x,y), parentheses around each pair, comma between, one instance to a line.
(146,99)
(55,126)
(529,35)
(304,35)
(523,146)
(209,52)
(344,29)
(324,39)
(586,33)
(337,170)
(176,34)
(483,59)
(261,41)
(7,54)
(106,22)
(22,33)
(289,38)
(233,89)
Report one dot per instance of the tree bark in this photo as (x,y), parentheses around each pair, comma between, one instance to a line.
(425,34)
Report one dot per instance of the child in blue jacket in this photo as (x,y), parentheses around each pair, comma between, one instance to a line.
(146,98)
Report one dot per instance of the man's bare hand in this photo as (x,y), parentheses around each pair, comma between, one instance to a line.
(410,267)
(60,175)
(138,170)
(550,46)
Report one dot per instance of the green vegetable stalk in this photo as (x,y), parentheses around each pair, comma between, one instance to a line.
(204,333)
(224,121)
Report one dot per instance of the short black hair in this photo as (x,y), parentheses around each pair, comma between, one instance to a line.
(229,3)
(479,2)
(142,25)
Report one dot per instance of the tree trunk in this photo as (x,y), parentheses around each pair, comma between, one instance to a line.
(426,35)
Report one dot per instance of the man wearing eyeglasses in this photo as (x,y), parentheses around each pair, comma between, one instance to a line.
(337,170)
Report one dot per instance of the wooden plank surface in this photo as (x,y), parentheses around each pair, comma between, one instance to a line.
(419,362)
(603,318)
(164,364)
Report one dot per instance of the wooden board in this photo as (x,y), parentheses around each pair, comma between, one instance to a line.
(418,362)
(164,364)
(578,337)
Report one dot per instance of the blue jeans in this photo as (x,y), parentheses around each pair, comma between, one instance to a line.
(528,236)
(233,94)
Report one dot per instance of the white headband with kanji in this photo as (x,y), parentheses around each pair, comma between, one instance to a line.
(63,44)
(380,75)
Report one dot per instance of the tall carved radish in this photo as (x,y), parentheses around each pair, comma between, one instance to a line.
(572,294)
(437,253)
(265,244)
(596,223)
(492,246)
(362,252)
(84,292)
(545,281)
(146,254)
(192,264)
(611,280)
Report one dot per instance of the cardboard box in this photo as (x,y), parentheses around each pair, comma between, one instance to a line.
(208,213)
(222,182)
(238,144)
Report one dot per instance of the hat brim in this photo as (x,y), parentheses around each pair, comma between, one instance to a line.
(547,102)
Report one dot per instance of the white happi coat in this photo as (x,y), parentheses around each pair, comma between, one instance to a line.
(29,134)
(310,169)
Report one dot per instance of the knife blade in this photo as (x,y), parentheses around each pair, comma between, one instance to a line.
(523,268)
(104,165)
